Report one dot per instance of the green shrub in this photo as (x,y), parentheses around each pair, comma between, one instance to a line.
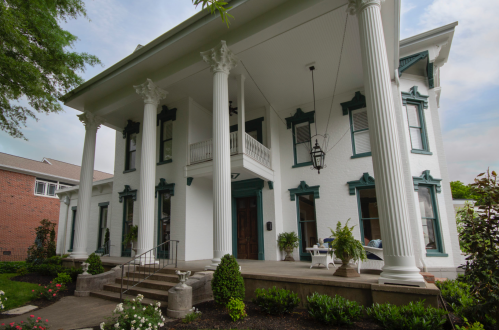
(95,264)
(49,292)
(411,316)
(22,271)
(63,278)
(133,314)
(333,311)
(73,272)
(236,309)
(54,260)
(44,245)
(192,316)
(227,281)
(46,269)
(8,267)
(468,326)
(276,301)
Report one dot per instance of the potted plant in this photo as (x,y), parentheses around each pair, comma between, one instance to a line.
(288,242)
(346,247)
(131,237)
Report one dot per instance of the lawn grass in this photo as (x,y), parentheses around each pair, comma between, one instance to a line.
(17,293)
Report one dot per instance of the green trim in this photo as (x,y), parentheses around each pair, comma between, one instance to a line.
(427,179)
(438,233)
(165,162)
(74,208)
(436,254)
(359,207)
(71,241)
(431,75)
(130,128)
(189,180)
(300,117)
(421,152)
(303,189)
(234,176)
(408,61)
(358,102)
(162,254)
(163,186)
(304,256)
(366,154)
(252,125)
(103,204)
(415,96)
(166,114)
(366,181)
(248,188)
(128,192)
(128,171)
(271,185)
(302,164)
(124,251)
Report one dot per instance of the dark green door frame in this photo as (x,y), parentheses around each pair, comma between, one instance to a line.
(248,188)
(71,242)
(304,256)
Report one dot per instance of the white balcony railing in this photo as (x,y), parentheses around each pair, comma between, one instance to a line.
(203,151)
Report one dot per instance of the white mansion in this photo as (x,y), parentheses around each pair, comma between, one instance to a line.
(190,167)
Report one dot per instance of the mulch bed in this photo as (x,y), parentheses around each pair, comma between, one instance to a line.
(216,317)
(42,280)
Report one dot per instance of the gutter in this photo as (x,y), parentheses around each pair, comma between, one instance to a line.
(77,187)
(428,34)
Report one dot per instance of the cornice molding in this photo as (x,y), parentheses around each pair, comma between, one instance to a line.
(90,120)
(128,192)
(365,181)
(356,6)
(163,186)
(300,117)
(358,102)
(415,96)
(166,114)
(130,128)
(220,58)
(304,188)
(427,179)
(150,93)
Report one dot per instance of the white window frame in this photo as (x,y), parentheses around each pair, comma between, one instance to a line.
(46,187)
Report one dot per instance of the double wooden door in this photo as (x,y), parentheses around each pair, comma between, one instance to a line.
(247,233)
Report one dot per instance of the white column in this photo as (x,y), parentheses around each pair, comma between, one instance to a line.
(145,240)
(241,123)
(221,60)
(400,265)
(91,123)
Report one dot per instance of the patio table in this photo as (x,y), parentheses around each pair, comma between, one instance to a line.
(321,258)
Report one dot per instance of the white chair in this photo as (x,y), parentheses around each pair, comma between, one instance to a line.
(372,263)
(319,258)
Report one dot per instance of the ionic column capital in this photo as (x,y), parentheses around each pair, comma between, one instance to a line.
(90,120)
(220,58)
(150,93)
(356,6)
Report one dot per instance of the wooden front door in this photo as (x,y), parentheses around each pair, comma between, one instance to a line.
(247,234)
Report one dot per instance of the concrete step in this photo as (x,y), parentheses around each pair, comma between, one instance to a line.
(151,284)
(115,296)
(156,277)
(153,294)
(166,270)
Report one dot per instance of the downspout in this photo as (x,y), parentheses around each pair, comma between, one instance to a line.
(65,201)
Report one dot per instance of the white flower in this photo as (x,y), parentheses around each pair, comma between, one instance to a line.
(102,325)
(133,322)
(135,315)
(155,308)
(158,304)
(149,324)
(117,325)
(133,307)
(162,324)
(144,309)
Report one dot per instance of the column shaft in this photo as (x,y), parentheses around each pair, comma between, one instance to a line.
(241,123)
(400,266)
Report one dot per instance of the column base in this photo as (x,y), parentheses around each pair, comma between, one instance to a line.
(145,261)
(214,264)
(402,276)
(79,255)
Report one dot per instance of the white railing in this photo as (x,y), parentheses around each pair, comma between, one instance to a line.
(203,151)
(257,151)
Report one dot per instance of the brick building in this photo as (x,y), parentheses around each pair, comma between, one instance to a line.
(28,196)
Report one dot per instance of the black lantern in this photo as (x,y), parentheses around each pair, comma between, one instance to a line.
(318,157)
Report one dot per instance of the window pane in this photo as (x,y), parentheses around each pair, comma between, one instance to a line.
(302,132)
(359,119)
(429,234)
(51,189)
(368,204)
(104,218)
(362,142)
(253,134)
(413,115)
(425,204)
(167,150)
(303,153)
(167,130)
(132,142)
(40,188)
(308,225)
(416,140)
(165,205)
(131,161)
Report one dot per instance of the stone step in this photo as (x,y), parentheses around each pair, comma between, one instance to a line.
(115,296)
(151,284)
(166,270)
(153,294)
(156,277)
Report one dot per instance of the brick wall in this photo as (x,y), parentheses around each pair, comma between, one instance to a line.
(21,212)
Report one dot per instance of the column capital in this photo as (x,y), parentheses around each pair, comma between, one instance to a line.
(220,58)
(356,6)
(151,93)
(90,120)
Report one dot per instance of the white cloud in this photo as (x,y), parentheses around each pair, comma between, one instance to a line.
(407,7)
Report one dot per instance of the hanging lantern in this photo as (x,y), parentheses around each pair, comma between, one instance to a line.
(318,157)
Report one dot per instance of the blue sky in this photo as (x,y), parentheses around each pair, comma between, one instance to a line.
(469,112)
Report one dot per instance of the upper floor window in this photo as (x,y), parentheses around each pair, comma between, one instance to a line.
(130,134)
(359,125)
(415,103)
(300,125)
(47,188)
(166,118)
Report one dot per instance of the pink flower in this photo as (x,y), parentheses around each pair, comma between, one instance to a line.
(31,316)
(50,282)
(54,295)
(36,321)
(22,321)
(47,320)
(50,290)
(45,287)
(32,290)
(39,318)
(12,324)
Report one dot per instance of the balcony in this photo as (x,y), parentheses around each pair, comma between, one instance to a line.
(254,162)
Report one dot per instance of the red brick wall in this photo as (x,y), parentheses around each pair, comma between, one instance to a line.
(21,212)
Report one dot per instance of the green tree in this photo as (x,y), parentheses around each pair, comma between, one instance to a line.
(216,5)
(36,61)
(462,191)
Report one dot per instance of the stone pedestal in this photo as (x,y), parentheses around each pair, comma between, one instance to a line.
(179,302)
(347,270)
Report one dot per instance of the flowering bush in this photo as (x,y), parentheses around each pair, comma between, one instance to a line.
(133,315)
(192,316)
(2,299)
(48,292)
(31,323)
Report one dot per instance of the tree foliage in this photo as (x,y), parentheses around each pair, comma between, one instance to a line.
(215,5)
(44,246)
(461,191)
(481,235)
(227,281)
(36,61)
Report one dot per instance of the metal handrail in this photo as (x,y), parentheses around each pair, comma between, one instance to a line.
(149,268)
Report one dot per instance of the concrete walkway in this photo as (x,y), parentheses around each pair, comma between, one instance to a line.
(71,313)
